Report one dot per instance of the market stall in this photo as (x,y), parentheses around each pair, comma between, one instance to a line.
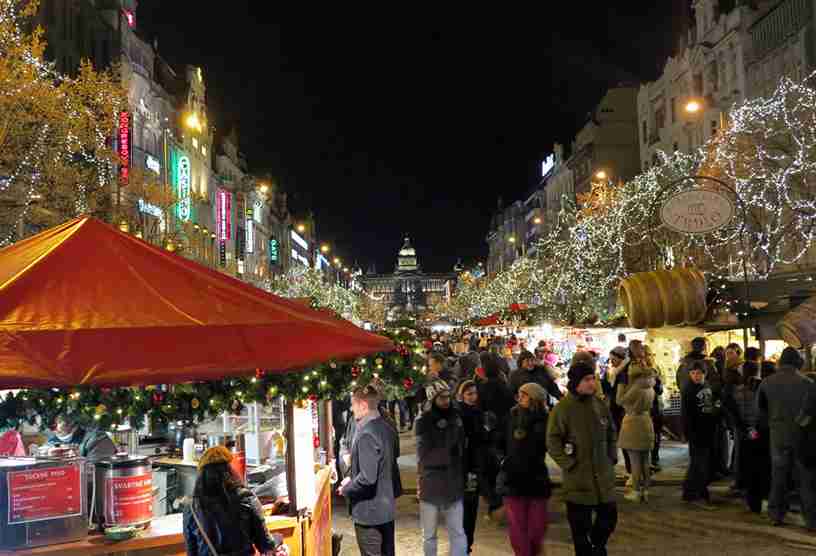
(83,342)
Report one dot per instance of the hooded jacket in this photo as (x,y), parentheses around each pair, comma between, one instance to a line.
(700,413)
(637,397)
(231,534)
(581,438)
(440,439)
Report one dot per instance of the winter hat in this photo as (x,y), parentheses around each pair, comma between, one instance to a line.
(435,388)
(536,393)
(551,359)
(216,454)
(577,372)
(790,356)
(619,352)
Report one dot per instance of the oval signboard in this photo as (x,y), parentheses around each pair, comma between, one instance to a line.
(697,211)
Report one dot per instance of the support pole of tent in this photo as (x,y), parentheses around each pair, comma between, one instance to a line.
(291,471)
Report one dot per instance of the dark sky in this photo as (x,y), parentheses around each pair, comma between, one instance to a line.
(405,120)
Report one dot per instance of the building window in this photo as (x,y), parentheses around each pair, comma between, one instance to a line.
(675,146)
(195,143)
(714,127)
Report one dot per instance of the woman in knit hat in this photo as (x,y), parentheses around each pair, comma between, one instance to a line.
(525,480)
(224,516)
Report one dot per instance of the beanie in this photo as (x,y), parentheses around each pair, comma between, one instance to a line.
(551,359)
(216,454)
(535,391)
(435,388)
(577,372)
(790,356)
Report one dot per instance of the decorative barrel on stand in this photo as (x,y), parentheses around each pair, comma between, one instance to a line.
(798,327)
(664,297)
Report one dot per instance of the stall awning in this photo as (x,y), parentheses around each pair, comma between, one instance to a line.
(84,303)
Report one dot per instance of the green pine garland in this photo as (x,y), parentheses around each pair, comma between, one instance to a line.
(195,402)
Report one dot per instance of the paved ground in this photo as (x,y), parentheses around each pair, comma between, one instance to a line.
(665,526)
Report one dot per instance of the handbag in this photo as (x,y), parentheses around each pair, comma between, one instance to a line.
(201,528)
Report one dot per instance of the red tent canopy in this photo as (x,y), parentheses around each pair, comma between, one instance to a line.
(492,320)
(84,303)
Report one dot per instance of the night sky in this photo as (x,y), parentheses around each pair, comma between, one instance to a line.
(407,120)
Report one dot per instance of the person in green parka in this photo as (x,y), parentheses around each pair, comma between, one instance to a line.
(581,438)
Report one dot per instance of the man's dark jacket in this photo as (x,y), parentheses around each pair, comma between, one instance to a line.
(371,490)
(440,456)
(539,375)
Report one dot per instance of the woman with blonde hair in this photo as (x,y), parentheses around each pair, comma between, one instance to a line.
(637,396)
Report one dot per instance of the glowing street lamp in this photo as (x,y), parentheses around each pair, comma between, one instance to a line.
(512,239)
(193,122)
(601,174)
(693,107)
(324,248)
(537,220)
(301,228)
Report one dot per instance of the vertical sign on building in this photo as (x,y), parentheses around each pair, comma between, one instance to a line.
(250,231)
(124,147)
(183,179)
(223,208)
(240,233)
(273,251)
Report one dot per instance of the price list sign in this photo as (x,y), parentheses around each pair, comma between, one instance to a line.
(130,499)
(47,493)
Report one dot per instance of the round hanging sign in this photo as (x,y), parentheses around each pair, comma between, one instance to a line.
(697,211)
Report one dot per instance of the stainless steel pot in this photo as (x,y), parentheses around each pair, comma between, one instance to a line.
(123,491)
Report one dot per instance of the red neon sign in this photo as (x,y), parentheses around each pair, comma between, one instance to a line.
(131,18)
(223,210)
(124,146)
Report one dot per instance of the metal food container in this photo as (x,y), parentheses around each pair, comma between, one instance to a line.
(123,491)
(237,445)
(45,501)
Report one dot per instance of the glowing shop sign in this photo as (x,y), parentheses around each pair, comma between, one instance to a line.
(124,147)
(185,207)
(322,262)
(223,201)
(273,251)
(152,210)
(258,212)
(547,165)
(153,164)
(250,235)
(298,257)
(299,240)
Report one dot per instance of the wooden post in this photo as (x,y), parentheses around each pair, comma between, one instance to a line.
(327,430)
(291,468)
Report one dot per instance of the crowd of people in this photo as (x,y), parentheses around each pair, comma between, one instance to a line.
(491,411)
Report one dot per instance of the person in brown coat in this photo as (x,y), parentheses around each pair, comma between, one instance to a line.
(637,431)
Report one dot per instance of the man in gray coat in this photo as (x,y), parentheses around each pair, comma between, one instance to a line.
(440,435)
(370,485)
(780,401)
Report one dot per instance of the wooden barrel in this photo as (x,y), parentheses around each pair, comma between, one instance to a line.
(798,327)
(663,297)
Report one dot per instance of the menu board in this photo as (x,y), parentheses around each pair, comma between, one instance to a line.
(44,493)
(130,499)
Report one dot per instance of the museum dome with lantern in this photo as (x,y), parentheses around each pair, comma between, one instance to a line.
(408,289)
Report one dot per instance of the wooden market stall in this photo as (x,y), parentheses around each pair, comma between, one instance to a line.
(84,304)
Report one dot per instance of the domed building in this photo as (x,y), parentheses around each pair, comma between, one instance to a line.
(408,290)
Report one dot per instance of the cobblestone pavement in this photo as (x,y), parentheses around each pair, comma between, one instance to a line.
(664,526)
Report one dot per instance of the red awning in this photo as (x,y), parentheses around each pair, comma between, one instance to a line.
(492,320)
(84,303)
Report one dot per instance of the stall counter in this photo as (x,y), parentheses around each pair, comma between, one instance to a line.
(164,537)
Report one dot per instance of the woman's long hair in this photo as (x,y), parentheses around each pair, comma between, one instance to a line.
(217,484)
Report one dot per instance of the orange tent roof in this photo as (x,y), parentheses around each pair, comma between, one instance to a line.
(84,303)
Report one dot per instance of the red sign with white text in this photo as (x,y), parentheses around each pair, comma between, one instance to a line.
(238,464)
(124,147)
(129,499)
(45,493)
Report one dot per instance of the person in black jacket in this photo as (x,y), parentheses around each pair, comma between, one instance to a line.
(224,513)
(529,371)
(525,480)
(700,417)
(496,400)
(475,444)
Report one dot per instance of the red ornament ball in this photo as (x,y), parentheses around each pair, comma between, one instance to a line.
(313,397)
(355,372)
(408,383)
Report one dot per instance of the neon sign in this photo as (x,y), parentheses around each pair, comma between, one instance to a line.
(130,17)
(299,240)
(124,147)
(153,164)
(183,179)
(547,165)
(250,235)
(223,209)
(273,251)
